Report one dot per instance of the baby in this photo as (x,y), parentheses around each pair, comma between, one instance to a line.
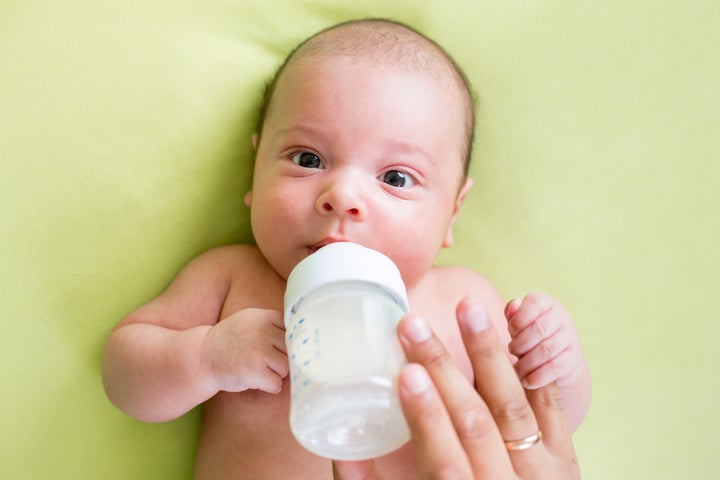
(365,136)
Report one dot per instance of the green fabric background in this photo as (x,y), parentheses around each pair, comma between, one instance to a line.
(125,151)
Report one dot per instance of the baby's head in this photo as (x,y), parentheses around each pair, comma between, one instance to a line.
(364,136)
(390,44)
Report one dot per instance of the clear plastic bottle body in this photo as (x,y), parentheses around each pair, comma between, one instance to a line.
(344,362)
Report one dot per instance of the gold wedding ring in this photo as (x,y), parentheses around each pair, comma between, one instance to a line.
(524,443)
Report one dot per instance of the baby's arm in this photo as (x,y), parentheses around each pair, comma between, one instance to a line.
(172,354)
(548,350)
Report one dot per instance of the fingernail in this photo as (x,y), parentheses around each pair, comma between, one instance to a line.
(417,330)
(474,318)
(512,307)
(527,386)
(415,379)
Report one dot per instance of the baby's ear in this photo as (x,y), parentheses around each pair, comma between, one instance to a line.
(462,195)
(254,140)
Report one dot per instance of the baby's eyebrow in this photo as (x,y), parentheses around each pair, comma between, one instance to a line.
(302,129)
(407,148)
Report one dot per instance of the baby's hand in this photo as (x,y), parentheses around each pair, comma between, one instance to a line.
(247,351)
(544,340)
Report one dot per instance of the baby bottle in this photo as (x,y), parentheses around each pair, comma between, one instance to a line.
(342,306)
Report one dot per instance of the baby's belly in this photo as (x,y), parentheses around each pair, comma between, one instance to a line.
(247,435)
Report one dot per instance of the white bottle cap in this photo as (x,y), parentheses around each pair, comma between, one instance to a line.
(343,262)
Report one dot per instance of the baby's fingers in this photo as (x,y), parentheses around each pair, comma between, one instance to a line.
(531,308)
(558,368)
(540,354)
(540,330)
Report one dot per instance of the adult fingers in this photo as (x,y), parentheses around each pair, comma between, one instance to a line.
(547,403)
(497,383)
(472,421)
(438,450)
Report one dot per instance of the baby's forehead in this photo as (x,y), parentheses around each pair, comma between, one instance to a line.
(314,68)
(412,59)
(384,45)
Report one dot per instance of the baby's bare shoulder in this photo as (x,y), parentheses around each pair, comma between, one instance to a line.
(231,260)
(452,283)
(199,293)
(246,277)
(213,272)
(462,280)
(233,253)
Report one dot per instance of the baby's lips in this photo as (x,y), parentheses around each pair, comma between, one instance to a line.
(325,241)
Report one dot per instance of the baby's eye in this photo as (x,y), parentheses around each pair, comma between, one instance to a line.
(396,178)
(307,160)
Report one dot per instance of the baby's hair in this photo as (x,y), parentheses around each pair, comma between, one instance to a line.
(387,41)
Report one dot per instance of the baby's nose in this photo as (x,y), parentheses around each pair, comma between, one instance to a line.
(343,200)
(354,211)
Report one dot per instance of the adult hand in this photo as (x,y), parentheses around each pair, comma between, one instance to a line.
(460,432)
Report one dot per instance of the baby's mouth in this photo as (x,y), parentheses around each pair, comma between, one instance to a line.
(324,242)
